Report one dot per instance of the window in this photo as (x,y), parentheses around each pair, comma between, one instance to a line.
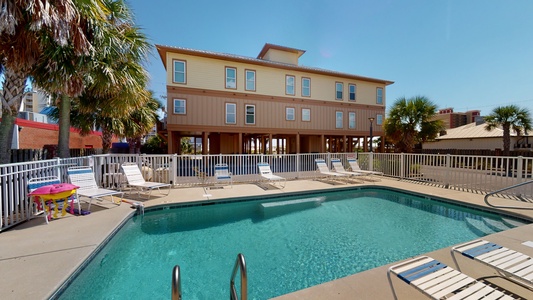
(306,87)
(231,113)
(338,119)
(231,78)
(289,114)
(250,114)
(352,89)
(338,90)
(379,119)
(289,85)
(306,114)
(180,71)
(351,120)
(250,80)
(180,106)
(379,96)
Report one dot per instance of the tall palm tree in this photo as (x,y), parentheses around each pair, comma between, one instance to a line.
(112,76)
(509,117)
(410,121)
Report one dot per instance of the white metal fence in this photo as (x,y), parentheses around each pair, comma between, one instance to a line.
(480,174)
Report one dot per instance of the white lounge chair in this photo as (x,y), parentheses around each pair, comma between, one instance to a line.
(439,281)
(84,178)
(510,264)
(354,166)
(322,167)
(223,175)
(266,173)
(135,179)
(339,168)
(35,183)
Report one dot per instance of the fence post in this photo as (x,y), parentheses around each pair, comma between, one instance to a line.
(174,169)
(58,167)
(402,167)
(448,163)
(371,161)
(519,167)
(298,157)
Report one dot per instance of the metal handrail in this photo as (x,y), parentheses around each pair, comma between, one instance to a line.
(176,283)
(486,199)
(240,264)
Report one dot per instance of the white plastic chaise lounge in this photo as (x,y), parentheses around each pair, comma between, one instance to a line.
(339,168)
(354,166)
(266,173)
(135,180)
(84,178)
(439,281)
(223,175)
(510,264)
(323,169)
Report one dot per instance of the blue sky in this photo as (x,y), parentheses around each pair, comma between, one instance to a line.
(475,54)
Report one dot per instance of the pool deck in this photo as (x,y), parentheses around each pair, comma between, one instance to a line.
(36,258)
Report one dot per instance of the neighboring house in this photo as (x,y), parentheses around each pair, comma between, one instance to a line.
(268,104)
(474,136)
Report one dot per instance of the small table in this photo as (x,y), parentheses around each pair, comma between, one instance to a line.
(41,197)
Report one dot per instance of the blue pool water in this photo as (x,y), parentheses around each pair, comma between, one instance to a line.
(287,247)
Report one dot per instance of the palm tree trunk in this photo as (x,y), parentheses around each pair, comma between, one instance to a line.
(11,98)
(107,137)
(506,138)
(63,146)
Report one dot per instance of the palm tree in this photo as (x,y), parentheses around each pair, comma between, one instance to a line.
(25,28)
(509,117)
(111,81)
(410,121)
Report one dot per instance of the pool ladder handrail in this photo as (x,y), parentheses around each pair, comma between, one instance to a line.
(240,264)
(486,198)
(176,283)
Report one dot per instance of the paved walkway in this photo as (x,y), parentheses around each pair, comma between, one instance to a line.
(36,258)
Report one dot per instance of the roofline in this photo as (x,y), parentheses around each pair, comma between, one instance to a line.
(163,50)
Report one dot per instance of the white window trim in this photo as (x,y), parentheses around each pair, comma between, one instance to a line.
(246,80)
(293,85)
(379,119)
(354,92)
(287,109)
(234,78)
(337,119)
(342,90)
(184,106)
(184,71)
(379,100)
(350,114)
(246,114)
(303,87)
(234,113)
(309,110)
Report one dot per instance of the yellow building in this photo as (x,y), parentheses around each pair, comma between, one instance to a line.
(268,104)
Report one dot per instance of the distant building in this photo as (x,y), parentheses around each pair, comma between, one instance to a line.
(271,103)
(453,119)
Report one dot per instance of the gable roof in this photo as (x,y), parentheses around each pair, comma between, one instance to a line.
(471,131)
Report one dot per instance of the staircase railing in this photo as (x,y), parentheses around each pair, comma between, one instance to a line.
(240,264)
(519,196)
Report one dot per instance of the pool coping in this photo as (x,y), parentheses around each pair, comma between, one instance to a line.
(29,251)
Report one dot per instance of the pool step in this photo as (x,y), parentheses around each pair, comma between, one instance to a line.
(496,225)
(513,223)
(478,227)
(273,209)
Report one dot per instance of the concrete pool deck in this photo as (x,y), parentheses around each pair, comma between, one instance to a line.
(35,258)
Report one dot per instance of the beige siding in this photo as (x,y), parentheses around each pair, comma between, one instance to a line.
(282,56)
(209,74)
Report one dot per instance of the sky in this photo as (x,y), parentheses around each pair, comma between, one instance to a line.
(468,55)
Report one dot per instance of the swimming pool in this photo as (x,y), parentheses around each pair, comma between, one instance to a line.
(287,247)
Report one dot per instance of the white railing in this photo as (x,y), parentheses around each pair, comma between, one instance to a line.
(480,174)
